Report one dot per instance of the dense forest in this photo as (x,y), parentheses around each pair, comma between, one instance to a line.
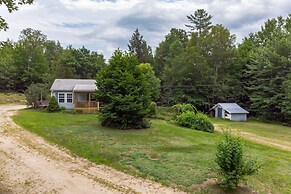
(201,66)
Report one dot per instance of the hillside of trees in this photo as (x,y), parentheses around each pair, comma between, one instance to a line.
(201,66)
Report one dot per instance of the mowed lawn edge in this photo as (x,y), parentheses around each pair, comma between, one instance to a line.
(275,132)
(169,154)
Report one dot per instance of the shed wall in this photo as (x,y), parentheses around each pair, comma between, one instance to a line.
(238,117)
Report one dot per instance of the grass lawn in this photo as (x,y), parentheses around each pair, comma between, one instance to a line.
(278,133)
(12,98)
(169,154)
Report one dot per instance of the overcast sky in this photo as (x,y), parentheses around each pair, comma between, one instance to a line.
(105,25)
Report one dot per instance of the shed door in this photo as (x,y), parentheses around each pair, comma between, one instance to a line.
(219,113)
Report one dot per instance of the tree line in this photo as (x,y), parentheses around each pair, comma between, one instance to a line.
(201,66)
(35,59)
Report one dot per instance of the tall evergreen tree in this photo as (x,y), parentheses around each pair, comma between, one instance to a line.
(200,21)
(125,92)
(138,46)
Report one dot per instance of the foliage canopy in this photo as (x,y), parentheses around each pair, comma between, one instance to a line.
(11,5)
(125,92)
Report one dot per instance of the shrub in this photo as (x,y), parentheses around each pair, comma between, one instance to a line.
(186,119)
(53,105)
(203,123)
(188,116)
(152,109)
(233,167)
(180,108)
(35,93)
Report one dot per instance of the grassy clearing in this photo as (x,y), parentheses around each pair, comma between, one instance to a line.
(169,154)
(278,133)
(12,98)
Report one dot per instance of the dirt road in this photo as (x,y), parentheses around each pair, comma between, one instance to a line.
(29,164)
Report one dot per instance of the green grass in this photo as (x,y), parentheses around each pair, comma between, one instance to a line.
(165,113)
(12,98)
(278,133)
(166,153)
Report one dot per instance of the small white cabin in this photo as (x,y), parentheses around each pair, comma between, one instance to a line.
(77,94)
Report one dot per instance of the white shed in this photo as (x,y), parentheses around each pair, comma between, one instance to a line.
(231,111)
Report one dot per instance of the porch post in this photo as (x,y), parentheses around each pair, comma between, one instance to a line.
(74,96)
(89,100)
(98,105)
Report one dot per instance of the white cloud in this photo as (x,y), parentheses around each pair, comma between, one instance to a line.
(107,25)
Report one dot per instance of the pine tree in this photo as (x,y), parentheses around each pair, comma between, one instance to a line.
(123,89)
(138,46)
(200,21)
(53,105)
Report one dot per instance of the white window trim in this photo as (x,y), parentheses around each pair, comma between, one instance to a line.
(66,97)
(62,98)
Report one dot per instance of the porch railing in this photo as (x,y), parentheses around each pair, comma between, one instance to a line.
(92,104)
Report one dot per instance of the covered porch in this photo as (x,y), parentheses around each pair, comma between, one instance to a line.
(84,99)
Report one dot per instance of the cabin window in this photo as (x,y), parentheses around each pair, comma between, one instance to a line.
(61,98)
(69,98)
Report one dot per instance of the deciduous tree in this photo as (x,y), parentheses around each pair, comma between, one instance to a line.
(151,79)
(7,69)
(29,58)
(12,5)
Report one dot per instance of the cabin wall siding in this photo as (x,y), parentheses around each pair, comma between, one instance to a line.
(64,105)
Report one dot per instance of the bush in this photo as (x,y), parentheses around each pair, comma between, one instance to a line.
(188,116)
(233,167)
(53,105)
(152,109)
(35,93)
(186,119)
(203,123)
(180,108)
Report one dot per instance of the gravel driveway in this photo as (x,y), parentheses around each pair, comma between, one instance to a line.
(29,164)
